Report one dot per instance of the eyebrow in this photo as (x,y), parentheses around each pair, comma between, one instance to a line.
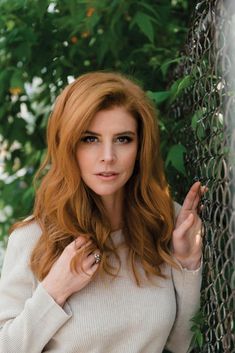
(119,133)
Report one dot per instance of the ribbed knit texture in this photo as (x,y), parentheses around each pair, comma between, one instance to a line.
(107,316)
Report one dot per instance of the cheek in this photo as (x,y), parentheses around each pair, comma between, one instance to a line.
(130,158)
(83,160)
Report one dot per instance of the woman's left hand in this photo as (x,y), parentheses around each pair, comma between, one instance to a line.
(187,237)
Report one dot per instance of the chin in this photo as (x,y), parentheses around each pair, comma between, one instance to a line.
(104,192)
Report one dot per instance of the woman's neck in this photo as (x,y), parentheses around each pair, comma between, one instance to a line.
(113,206)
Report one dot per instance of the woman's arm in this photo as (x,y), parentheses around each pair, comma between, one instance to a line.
(187,252)
(187,284)
(28,318)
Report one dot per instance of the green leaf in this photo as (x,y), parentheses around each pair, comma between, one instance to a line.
(165,66)
(159,97)
(196,126)
(176,158)
(22,51)
(28,196)
(104,48)
(145,25)
(179,86)
(2,113)
(18,131)
(10,25)
(184,83)
(4,77)
(151,9)
(93,20)
(4,82)
(42,6)
(194,121)
(199,339)
(17,80)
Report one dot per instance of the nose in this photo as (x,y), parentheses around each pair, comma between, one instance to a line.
(108,153)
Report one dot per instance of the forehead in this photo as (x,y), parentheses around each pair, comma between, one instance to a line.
(114,119)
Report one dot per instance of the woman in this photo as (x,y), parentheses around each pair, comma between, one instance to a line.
(102,266)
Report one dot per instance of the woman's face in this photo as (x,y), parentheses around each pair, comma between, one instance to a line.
(107,151)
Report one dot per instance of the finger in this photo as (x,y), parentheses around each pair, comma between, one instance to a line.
(79,242)
(86,249)
(91,261)
(200,209)
(92,270)
(184,227)
(191,196)
(93,258)
(196,202)
(204,189)
(96,256)
(80,249)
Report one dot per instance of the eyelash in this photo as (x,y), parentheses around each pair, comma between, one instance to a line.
(127,139)
(86,139)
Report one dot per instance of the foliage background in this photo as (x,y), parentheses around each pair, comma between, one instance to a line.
(45,43)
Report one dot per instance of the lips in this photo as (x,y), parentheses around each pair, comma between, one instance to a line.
(107,174)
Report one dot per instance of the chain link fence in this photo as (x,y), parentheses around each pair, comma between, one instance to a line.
(208,107)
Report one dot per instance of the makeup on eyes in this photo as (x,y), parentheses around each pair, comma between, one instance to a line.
(90,138)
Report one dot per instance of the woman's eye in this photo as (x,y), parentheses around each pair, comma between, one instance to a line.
(89,139)
(124,139)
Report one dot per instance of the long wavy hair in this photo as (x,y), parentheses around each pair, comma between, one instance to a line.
(66,208)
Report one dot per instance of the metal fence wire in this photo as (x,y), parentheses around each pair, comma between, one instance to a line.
(208,107)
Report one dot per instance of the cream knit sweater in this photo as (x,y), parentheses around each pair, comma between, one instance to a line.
(108,316)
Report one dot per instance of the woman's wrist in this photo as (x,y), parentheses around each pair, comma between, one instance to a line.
(59,299)
(190,265)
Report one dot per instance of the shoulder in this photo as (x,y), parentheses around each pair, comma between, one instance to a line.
(25,236)
(21,242)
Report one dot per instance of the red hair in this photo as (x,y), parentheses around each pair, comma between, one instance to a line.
(66,208)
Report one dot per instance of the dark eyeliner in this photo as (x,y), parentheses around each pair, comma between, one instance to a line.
(85,138)
(128,138)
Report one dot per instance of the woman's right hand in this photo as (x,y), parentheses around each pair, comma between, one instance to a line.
(61,282)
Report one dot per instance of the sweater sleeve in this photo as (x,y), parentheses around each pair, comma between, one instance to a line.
(187,286)
(29,317)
